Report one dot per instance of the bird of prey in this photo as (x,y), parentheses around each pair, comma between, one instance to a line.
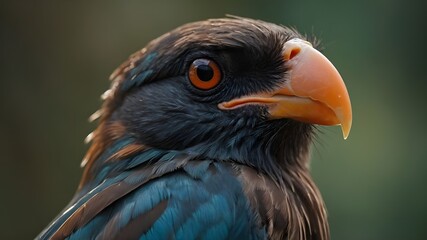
(205,134)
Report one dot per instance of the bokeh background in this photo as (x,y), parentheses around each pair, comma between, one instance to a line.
(56,57)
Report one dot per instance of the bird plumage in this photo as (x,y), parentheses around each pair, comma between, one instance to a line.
(167,163)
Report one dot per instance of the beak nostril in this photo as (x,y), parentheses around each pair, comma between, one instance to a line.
(291,52)
(294,52)
(294,47)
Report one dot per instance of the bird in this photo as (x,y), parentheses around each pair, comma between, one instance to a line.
(205,133)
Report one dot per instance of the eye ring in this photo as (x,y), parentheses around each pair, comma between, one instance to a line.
(204,74)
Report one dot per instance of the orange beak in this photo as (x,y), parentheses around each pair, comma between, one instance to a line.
(314,91)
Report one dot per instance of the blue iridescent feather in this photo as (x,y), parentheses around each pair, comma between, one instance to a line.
(198,205)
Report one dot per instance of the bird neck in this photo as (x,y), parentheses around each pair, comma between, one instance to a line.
(270,148)
(115,151)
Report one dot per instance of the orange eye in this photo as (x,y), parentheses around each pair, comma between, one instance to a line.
(204,74)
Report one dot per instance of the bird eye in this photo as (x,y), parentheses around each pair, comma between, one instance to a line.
(204,74)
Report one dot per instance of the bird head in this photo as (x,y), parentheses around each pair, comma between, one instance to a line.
(230,89)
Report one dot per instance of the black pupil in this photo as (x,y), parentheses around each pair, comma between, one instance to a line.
(205,72)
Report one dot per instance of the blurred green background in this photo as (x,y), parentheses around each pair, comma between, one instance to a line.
(56,57)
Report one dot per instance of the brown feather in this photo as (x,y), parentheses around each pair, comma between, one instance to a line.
(127,151)
(103,136)
(292,211)
(92,207)
(140,225)
(135,228)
